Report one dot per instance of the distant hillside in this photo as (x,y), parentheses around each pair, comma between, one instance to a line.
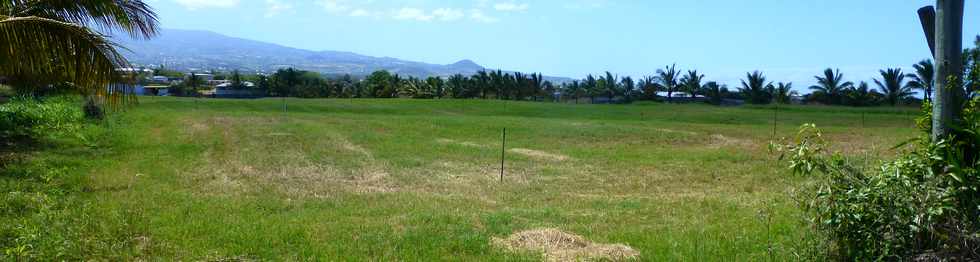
(190,49)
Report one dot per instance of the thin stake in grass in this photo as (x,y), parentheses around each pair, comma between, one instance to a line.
(775,120)
(284,105)
(503,152)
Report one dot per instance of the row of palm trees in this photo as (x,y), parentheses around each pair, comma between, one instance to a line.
(892,87)
(668,84)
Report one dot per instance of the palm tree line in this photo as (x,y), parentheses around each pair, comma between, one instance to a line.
(669,84)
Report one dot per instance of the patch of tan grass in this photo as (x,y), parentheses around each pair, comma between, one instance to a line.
(720,141)
(557,245)
(539,154)
(664,130)
(446,141)
(229,168)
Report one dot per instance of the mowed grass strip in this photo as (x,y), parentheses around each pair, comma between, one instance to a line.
(364,179)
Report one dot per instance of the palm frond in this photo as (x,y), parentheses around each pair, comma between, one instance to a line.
(55,51)
(133,17)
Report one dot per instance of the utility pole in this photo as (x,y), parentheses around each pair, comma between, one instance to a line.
(945,33)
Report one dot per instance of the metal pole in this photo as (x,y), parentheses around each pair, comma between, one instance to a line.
(503,151)
(775,120)
(949,63)
(863,123)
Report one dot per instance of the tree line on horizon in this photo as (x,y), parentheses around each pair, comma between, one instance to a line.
(669,84)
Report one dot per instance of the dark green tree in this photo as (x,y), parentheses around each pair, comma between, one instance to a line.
(285,81)
(592,88)
(714,92)
(832,86)
(457,86)
(574,90)
(924,78)
(648,85)
(783,93)
(668,79)
(627,89)
(862,95)
(756,89)
(236,81)
(438,86)
(610,86)
(378,84)
(691,83)
(893,86)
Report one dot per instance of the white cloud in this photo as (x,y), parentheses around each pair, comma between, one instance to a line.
(363,8)
(510,7)
(585,4)
(448,14)
(479,16)
(409,13)
(276,7)
(360,12)
(201,4)
(334,6)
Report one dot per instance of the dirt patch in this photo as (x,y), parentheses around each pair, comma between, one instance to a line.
(539,154)
(557,245)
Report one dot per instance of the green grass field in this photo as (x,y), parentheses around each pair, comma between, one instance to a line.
(189,179)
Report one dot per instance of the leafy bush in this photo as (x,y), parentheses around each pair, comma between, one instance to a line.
(93,110)
(6,90)
(926,203)
(29,118)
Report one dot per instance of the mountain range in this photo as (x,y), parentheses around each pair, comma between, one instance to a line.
(204,50)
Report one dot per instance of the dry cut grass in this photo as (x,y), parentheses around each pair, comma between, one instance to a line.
(557,245)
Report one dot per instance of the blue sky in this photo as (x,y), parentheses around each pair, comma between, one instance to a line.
(788,40)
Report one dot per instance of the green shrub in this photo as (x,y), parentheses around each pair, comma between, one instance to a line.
(925,202)
(93,110)
(6,90)
(29,118)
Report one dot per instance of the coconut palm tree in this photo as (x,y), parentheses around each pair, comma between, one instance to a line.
(649,87)
(972,65)
(924,78)
(628,88)
(714,92)
(668,78)
(456,86)
(691,83)
(574,90)
(591,87)
(862,95)
(611,86)
(47,41)
(481,80)
(893,85)
(783,93)
(832,85)
(754,87)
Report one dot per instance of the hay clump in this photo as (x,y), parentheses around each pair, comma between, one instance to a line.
(557,245)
